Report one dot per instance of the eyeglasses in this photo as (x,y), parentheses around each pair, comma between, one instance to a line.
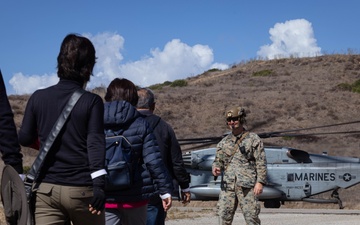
(229,119)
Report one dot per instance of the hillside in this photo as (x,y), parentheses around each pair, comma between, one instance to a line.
(282,94)
(292,94)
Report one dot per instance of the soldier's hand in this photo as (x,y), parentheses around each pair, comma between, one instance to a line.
(258,189)
(185,196)
(216,171)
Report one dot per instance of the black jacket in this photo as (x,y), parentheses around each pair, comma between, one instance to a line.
(9,145)
(150,173)
(169,147)
(79,149)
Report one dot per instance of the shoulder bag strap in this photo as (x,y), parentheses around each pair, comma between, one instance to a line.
(237,147)
(35,168)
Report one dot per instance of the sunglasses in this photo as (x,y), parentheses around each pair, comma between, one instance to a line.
(232,119)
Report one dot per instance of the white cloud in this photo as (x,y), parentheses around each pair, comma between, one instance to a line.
(176,61)
(292,38)
(108,52)
(220,66)
(27,84)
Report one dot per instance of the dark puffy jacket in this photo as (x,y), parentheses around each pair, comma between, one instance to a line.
(121,116)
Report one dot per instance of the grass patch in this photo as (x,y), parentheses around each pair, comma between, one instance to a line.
(344,86)
(287,138)
(262,73)
(354,87)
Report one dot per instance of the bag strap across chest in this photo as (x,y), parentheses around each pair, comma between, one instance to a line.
(237,147)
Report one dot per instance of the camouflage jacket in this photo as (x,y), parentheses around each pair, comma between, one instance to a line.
(243,163)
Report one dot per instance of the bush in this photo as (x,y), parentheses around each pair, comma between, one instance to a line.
(213,70)
(356,86)
(178,83)
(344,87)
(159,86)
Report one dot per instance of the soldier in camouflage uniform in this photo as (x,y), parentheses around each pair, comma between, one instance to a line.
(240,158)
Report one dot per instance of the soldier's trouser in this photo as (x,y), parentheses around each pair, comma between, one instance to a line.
(228,201)
(57,204)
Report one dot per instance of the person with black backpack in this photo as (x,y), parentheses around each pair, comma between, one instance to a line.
(128,206)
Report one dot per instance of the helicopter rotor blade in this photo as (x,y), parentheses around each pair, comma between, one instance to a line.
(315,134)
(206,141)
(277,133)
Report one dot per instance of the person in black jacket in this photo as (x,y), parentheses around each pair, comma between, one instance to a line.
(9,145)
(129,206)
(170,152)
(71,180)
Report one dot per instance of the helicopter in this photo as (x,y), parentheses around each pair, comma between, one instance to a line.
(292,174)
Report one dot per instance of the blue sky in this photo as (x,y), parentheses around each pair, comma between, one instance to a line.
(154,41)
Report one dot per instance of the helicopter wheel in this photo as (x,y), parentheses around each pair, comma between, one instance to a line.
(272,204)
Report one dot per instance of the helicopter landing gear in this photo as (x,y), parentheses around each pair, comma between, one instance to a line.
(335,194)
(272,204)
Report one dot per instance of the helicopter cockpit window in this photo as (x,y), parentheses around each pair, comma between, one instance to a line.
(299,155)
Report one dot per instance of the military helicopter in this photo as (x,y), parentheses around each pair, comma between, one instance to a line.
(293,174)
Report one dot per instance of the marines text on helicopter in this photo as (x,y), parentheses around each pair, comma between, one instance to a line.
(293,174)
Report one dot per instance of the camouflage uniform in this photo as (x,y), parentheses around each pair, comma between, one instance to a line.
(244,164)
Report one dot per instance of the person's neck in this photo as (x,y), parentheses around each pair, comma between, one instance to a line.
(145,111)
(238,130)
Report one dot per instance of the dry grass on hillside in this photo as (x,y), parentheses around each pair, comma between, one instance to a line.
(279,94)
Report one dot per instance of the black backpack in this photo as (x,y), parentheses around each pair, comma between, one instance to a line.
(118,162)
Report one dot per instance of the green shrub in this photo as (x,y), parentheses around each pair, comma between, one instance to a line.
(159,86)
(262,73)
(287,138)
(344,86)
(213,70)
(178,83)
(356,86)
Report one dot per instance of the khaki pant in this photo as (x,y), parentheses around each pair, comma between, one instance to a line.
(57,204)
(229,200)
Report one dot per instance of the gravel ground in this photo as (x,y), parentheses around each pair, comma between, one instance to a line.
(275,217)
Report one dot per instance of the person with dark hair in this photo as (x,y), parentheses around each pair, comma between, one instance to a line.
(129,206)
(70,185)
(171,155)
(9,145)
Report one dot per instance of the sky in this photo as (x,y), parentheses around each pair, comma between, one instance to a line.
(150,42)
